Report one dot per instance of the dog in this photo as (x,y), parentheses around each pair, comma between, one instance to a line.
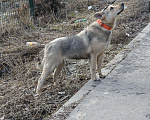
(88,44)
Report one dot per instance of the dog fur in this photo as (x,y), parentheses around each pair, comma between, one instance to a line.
(88,44)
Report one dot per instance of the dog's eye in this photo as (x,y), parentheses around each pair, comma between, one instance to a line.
(111,8)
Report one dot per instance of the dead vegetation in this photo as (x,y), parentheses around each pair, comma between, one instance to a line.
(18,73)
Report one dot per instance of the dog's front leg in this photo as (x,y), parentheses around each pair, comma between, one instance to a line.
(93,62)
(99,63)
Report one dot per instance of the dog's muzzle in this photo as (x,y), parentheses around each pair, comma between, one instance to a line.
(122,4)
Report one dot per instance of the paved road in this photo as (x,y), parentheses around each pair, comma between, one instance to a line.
(125,93)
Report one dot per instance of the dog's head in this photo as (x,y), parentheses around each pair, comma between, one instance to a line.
(110,13)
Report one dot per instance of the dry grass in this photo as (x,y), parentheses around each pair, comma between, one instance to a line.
(19,82)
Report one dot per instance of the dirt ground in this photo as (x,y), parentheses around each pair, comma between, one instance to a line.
(18,73)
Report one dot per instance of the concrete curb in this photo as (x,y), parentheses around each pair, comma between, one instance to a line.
(67,108)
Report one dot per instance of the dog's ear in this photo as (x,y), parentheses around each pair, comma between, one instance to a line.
(99,15)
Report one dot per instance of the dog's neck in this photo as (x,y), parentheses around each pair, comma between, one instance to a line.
(103,25)
(111,25)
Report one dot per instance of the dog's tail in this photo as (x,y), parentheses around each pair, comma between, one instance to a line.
(40,64)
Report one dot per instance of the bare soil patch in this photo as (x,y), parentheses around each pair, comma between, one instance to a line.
(19,80)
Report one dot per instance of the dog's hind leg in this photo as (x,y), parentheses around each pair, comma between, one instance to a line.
(57,70)
(46,71)
(48,67)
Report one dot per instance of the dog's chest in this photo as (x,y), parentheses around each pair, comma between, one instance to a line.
(97,46)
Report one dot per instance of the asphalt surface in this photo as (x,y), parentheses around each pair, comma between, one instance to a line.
(125,93)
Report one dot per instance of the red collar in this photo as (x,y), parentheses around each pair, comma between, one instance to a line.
(103,25)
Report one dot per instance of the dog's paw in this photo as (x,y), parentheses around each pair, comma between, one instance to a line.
(38,92)
(97,80)
(102,76)
(54,84)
